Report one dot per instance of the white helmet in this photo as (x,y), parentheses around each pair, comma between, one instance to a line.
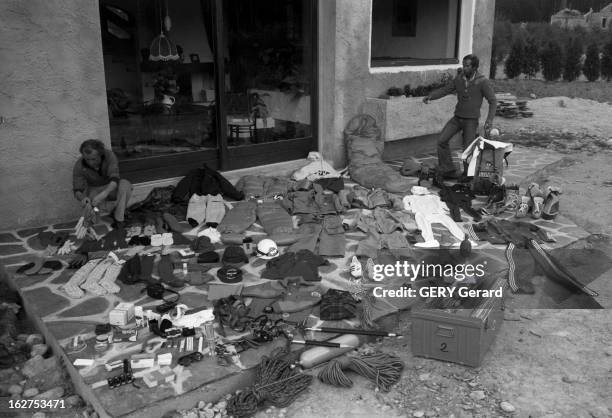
(267,249)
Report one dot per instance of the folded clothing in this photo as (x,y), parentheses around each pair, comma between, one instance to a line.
(303,263)
(208,257)
(337,305)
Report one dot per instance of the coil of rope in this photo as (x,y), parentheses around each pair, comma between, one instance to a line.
(276,383)
(383,369)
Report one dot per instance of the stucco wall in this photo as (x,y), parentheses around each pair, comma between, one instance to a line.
(354,81)
(52,98)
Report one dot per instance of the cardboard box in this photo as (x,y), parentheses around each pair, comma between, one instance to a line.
(122,314)
(158,377)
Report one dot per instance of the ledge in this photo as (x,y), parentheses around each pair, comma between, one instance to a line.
(408,117)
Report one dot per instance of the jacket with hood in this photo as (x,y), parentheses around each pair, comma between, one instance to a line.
(469,95)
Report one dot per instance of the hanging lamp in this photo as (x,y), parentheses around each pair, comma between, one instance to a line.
(162,48)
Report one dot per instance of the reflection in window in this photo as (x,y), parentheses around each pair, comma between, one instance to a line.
(418,32)
(158,108)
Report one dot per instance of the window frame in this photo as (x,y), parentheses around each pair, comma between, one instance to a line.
(463,46)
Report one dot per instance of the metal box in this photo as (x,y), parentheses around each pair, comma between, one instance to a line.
(456,335)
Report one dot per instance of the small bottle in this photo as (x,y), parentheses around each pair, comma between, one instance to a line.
(208,329)
(247,245)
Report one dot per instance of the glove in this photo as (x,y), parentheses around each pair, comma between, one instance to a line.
(67,248)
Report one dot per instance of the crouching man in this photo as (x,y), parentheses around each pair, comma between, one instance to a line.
(96,181)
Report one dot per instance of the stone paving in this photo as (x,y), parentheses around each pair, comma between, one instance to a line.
(65,317)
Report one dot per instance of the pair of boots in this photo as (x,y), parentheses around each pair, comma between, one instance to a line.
(541,203)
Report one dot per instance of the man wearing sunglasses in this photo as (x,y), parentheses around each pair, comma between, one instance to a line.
(470,87)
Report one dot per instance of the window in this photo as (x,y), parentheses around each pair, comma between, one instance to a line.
(417,32)
(603,22)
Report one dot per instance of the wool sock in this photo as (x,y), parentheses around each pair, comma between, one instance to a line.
(166,272)
(110,276)
(174,224)
(196,211)
(71,287)
(91,283)
(215,210)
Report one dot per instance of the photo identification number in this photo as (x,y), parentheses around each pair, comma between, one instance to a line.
(36,404)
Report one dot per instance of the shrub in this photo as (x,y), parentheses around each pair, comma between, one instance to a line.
(606,61)
(591,68)
(514,63)
(573,53)
(552,61)
(531,59)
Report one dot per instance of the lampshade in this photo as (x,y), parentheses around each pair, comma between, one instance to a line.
(163,49)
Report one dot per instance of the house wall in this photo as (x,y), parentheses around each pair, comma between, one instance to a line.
(355,80)
(52,99)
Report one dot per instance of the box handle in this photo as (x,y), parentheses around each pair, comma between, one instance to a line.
(491,325)
(443,331)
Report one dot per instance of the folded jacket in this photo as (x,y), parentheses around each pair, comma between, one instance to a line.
(296,298)
(251,186)
(274,218)
(239,218)
(308,236)
(294,264)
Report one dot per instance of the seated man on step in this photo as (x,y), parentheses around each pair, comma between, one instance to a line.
(96,181)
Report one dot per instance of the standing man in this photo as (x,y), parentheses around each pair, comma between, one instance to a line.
(470,87)
(96,181)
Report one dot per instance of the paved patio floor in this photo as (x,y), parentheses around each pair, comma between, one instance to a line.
(64,318)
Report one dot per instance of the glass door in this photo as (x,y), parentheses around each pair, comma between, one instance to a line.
(269,81)
(163,60)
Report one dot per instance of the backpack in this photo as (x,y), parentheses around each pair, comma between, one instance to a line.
(485,163)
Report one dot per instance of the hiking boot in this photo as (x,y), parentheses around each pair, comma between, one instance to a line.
(523,208)
(370,269)
(512,201)
(551,203)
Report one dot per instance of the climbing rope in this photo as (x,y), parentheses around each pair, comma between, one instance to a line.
(276,383)
(383,369)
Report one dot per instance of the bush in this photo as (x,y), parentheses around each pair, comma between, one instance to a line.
(514,63)
(606,61)
(531,58)
(572,66)
(591,68)
(552,61)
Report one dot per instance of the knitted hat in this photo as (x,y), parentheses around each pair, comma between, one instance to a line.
(229,274)
(208,257)
(202,244)
(234,254)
